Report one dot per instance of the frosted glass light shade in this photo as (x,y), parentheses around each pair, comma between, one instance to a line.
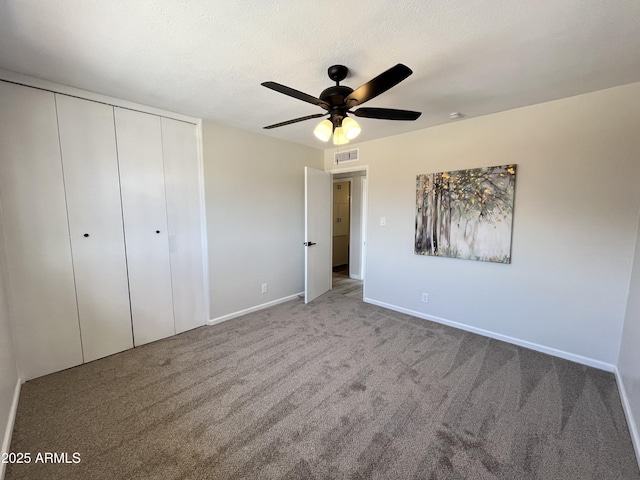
(351,128)
(323,130)
(339,137)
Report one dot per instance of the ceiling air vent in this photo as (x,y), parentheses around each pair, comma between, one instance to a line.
(346,156)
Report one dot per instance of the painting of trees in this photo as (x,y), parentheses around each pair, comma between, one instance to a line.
(466,213)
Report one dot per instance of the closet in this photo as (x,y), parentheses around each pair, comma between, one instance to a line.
(92,186)
(102,220)
(145,221)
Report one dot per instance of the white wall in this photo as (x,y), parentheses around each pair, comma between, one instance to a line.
(629,360)
(254,190)
(8,370)
(574,231)
(355,240)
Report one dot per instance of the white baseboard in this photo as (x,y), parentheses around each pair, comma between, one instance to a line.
(355,277)
(626,406)
(6,443)
(239,313)
(487,333)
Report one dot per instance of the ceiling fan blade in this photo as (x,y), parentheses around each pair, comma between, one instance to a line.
(386,113)
(378,85)
(296,94)
(295,120)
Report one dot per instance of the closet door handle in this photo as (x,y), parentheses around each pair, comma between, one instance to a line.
(85,235)
(157,231)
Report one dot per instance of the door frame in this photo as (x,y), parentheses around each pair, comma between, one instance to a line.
(337,180)
(364,223)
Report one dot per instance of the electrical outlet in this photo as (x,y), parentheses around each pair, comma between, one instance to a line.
(425,298)
(264,288)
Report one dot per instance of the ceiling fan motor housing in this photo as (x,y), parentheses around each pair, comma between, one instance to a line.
(335,97)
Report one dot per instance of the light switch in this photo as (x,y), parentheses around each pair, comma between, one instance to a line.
(383,221)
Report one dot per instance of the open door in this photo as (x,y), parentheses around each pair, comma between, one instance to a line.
(317,233)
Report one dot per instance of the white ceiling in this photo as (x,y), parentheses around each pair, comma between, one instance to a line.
(207,58)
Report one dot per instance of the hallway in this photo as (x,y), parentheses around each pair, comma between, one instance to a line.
(344,285)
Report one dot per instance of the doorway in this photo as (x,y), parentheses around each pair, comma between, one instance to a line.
(348,231)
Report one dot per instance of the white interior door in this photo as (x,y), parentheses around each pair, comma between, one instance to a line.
(90,163)
(40,282)
(186,223)
(139,138)
(317,233)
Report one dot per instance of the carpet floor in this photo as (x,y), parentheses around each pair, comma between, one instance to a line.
(334,389)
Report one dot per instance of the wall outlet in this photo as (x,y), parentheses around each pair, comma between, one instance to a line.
(425,298)
(265,288)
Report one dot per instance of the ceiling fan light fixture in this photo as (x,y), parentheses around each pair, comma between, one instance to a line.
(351,128)
(339,137)
(323,130)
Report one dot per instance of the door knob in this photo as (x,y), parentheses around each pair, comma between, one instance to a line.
(308,244)
(157,231)
(85,235)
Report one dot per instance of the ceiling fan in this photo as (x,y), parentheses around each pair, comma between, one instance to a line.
(338,100)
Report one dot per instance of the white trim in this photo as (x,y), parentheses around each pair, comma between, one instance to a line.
(355,277)
(626,407)
(608,367)
(21,79)
(262,306)
(364,211)
(6,443)
(203,220)
(355,168)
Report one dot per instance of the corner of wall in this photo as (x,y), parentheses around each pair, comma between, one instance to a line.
(11,420)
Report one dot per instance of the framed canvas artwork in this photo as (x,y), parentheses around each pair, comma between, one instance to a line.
(466,213)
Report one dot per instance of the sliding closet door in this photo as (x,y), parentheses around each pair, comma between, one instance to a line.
(90,163)
(139,140)
(184,212)
(40,283)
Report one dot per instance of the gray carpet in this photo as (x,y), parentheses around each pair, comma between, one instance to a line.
(331,390)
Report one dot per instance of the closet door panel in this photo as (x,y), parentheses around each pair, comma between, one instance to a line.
(139,140)
(38,254)
(90,164)
(184,214)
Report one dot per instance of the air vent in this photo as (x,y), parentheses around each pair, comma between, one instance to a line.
(346,156)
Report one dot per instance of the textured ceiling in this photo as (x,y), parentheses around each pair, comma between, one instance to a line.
(207,58)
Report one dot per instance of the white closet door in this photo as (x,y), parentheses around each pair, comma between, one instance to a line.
(90,164)
(41,288)
(184,213)
(139,139)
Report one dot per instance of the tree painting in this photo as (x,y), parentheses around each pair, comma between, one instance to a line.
(466,213)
